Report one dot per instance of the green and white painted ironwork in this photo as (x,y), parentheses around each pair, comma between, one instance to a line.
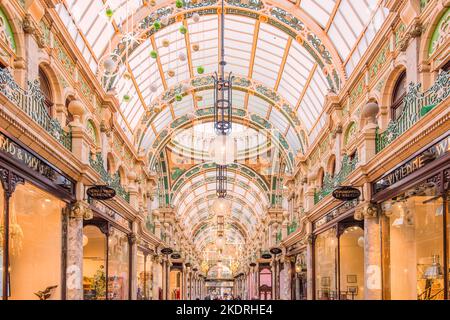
(31,102)
(292,227)
(112,181)
(416,105)
(330,183)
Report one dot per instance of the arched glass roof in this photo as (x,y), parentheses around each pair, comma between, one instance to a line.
(282,44)
(286,56)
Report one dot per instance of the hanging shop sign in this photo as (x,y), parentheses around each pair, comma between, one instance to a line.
(275,250)
(430,154)
(346,193)
(17,153)
(175,256)
(101,192)
(166,251)
(266,255)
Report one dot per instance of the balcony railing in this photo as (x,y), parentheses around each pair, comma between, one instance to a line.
(112,181)
(150,225)
(416,105)
(330,183)
(32,102)
(292,227)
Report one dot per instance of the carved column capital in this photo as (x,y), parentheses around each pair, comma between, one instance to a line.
(366,210)
(81,210)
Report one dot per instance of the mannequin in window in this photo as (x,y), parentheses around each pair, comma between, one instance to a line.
(46,91)
(397,96)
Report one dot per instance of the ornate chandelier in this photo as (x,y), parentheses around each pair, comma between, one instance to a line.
(222,147)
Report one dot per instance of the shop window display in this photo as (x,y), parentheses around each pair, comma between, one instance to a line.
(265,284)
(118,265)
(144,276)
(351,270)
(325,265)
(35,231)
(94,263)
(416,244)
(175,284)
(2,236)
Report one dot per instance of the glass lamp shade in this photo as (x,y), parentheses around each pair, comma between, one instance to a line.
(222,150)
(220,243)
(221,207)
(434,271)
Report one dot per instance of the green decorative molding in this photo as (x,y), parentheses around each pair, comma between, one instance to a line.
(441,34)
(6,32)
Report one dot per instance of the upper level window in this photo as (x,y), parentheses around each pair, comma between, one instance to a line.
(46,90)
(398,95)
(446,66)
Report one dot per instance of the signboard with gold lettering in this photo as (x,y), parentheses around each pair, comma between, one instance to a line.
(432,153)
(15,153)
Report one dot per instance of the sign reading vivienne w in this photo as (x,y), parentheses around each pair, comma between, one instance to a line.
(432,153)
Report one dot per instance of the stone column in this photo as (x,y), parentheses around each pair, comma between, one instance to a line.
(309,262)
(288,289)
(74,269)
(132,239)
(372,250)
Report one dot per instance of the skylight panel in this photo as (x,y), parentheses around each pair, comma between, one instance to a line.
(312,103)
(184,106)
(278,120)
(163,119)
(258,106)
(269,55)
(320,10)
(293,139)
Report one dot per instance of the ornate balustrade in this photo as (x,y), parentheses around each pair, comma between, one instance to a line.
(149,224)
(292,227)
(31,102)
(330,183)
(416,105)
(112,181)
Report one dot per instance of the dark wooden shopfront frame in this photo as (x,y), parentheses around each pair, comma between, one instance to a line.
(439,170)
(340,223)
(13,173)
(104,223)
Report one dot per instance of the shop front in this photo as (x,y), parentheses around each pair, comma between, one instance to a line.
(265,281)
(176,281)
(299,276)
(106,255)
(144,272)
(414,202)
(34,200)
(338,259)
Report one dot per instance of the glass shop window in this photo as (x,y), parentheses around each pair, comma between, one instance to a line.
(2,236)
(416,234)
(325,265)
(397,96)
(35,234)
(144,276)
(94,263)
(351,268)
(118,265)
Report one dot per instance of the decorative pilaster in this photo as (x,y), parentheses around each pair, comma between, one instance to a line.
(74,271)
(372,250)
(309,261)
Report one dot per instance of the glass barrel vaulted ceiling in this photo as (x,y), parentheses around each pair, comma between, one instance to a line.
(286,56)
